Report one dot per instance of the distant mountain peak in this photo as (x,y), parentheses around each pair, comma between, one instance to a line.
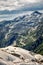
(36,13)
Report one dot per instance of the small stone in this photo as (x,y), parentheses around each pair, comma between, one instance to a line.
(38,57)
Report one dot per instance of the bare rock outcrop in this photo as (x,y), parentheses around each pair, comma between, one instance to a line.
(17,56)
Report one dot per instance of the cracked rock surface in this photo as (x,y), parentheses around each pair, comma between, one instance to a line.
(17,56)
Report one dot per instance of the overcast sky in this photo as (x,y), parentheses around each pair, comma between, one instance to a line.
(19,4)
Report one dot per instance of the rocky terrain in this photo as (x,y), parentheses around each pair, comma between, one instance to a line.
(17,56)
(21,40)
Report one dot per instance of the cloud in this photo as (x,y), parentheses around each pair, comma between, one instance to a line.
(17,4)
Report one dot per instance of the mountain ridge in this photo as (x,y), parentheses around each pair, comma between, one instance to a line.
(22,29)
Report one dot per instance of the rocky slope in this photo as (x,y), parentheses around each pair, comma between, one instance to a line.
(12,29)
(24,31)
(32,41)
(17,56)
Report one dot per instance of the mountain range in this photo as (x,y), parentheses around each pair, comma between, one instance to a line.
(23,31)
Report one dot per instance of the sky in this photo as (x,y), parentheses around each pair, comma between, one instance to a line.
(20,4)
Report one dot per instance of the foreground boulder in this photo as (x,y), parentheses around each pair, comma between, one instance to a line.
(18,56)
(38,57)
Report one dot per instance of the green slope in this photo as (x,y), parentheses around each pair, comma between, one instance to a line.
(33,39)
